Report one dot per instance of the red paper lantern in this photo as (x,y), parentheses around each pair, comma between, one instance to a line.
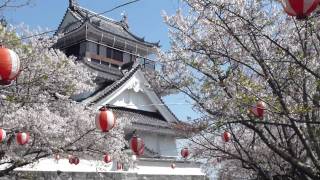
(3,135)
(73,160)
(22,138)
(119,166)
(107,158)
(299,8)
(105,120)
(258,110)
(173,165)
(184,152)
(137,145)
(76,160)
(226,136)
(261,106)
(9,65)
(70,157)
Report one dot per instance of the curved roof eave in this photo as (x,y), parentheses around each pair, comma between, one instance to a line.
(81,17)
(135,41)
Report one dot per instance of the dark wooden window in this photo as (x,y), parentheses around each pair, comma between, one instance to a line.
(109,53)
(92,47)
(98,49)
(73,50)
(117,55)
(114,54)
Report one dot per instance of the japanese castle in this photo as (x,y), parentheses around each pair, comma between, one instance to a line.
(120,59)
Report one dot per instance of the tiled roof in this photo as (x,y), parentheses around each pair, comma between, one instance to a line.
(110,25)
(144,120)
(111,88)
(140,117)
(106,24)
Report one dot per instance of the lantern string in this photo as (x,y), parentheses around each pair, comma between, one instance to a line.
(146,105)
(138,105)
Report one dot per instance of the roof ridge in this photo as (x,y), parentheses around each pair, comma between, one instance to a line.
(98,15)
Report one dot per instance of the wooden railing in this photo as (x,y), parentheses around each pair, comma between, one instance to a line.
(104,59)
(145,63)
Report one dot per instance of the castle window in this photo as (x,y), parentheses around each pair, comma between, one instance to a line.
(109,53)
(73,50)
(92,47)
(117,55)
(98,49)
(114,54)
(102,50)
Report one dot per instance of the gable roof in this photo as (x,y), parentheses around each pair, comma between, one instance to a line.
(110,92)
(118,28)
(109,89)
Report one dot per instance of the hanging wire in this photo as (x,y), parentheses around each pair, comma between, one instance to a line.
(74,22)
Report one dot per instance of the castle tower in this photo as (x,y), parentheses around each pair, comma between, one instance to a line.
(120,58)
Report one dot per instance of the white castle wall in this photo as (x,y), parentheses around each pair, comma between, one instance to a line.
(162,144)
(133,100)
(167,145)
(151,169)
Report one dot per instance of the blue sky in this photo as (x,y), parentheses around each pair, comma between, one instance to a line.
(144,17)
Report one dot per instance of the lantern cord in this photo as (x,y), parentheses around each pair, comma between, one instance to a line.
(141,105)
(145,105)
(74,22)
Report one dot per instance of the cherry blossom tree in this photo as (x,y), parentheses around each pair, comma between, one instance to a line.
(39,103)
(229,55)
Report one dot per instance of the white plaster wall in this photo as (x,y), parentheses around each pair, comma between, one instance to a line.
(133,100)
(162,144)
(167,145)
(49,164)
(164,168)
(143,166)
(144,97)
(150,140)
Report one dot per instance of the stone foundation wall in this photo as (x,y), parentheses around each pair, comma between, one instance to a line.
(96,176)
